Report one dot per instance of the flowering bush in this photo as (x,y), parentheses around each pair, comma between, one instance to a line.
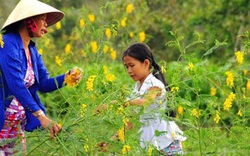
(209,94)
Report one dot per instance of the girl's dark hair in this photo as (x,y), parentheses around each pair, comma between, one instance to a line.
(141,51)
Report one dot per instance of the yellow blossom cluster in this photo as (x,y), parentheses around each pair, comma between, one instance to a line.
(109,77)
(70,78)
(67,48)
(230,79)
(105,49)
(125,149)
(94,46)
(129,8)
(113,54)
(120,110)
(239,57)
(81,23)
(190,66)
(83,109)
(90,82)
(217,117)
(108,33)
(86,148)
(195,113)
(58,61)
(180,110)
(40,51)
(150,150)
(91,17)
(248,85)
(212,91)
(228,103)
(58,26)
(121,134)
(175,89)
(124,22)
(142,36)
(239,113)
(1,41)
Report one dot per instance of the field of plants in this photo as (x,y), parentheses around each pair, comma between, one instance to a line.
(203,48)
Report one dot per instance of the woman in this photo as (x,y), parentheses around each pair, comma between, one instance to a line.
(23,73)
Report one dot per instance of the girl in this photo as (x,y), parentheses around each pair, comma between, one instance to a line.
(149,91)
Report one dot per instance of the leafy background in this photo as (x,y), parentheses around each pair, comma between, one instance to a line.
(194,42)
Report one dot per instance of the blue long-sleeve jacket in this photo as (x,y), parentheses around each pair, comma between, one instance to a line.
(13,64)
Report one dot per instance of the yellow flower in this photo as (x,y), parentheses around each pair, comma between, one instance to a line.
(228,103)
(248,85)
(239,113)
(230,79)
(142,36)
(110,77)
(83,109)
(125,149)
(180,110)
(212,91)
(217,117)
(81,23)
(174,89)
(163,70)
(239,57)
(131,34)
(150,149)
(58,25)
(67,49)
(1,41)
(105,49)
(125,120)
(120,110)
(40,51)
(121,134)
(58,61)
(69,79)
(91,17)
(90,82)
(195,113)
(123,22)
(105,70)
(94,46)
(129,8)
(86,148)
(245,72)
(113,54)
(108,33)
(190,66)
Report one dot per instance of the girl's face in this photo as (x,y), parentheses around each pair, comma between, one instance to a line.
(41,25)
(136,69)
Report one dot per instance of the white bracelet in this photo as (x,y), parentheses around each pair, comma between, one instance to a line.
(39,114)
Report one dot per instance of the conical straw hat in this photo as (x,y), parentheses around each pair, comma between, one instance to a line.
(28,8)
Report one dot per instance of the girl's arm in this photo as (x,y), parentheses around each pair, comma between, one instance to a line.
(152,93)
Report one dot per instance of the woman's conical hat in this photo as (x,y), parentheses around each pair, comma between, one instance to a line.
(29,8)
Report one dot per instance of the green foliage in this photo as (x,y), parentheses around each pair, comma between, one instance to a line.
(193,41)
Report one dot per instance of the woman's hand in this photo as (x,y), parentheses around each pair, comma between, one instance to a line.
(73,76)
(48,124)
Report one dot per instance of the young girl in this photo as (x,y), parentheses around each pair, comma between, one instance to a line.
(149,91)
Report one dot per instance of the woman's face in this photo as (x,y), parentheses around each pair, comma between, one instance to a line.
(136,69)
(41,25)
